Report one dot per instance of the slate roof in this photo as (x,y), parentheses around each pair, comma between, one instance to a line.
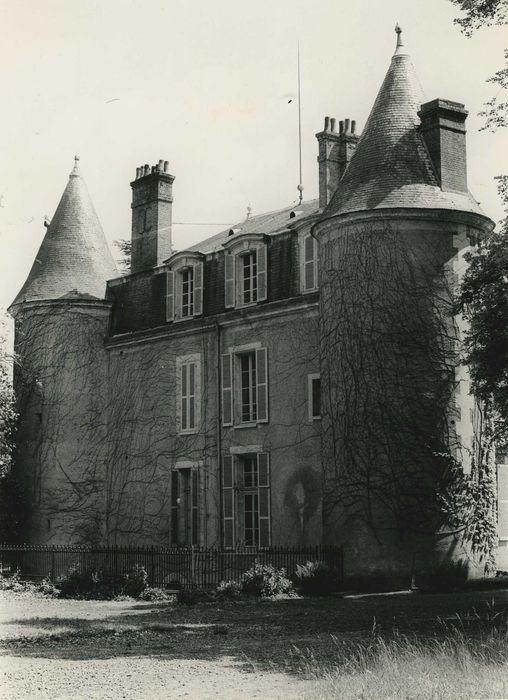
(269,223)
(74,260)
(391,166)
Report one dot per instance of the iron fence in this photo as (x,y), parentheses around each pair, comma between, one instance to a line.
(169,567)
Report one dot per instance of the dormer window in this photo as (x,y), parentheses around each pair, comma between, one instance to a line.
(245,263)
(184,294)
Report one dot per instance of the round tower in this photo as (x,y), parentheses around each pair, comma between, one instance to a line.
(398,414)
(61,319)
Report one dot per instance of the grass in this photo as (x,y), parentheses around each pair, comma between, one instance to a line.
(468,659)
(381,646)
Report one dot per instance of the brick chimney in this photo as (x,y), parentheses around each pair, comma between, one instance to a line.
(444,131)
(335,152)
(152,202)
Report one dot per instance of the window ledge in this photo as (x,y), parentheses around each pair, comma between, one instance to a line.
(251,424)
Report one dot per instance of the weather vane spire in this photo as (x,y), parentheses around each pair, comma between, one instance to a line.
(75,170)
(398,32)
(300,185)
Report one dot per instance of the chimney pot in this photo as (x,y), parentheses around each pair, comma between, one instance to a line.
(327,123)
(346,126)
(332,124)
(353,126)
(341,127)
(147,168)
(161,165)
(166,166)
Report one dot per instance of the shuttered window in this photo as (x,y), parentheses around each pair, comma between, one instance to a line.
(227,389)
(188,373)
(184,506)
(229,286)
(245,387)
(246,500)
(170,295)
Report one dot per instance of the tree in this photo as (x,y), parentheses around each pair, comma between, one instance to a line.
(486,13)
(10,513)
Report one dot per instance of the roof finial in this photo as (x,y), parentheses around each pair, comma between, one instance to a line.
(399,45)
(249,211)
(75,170)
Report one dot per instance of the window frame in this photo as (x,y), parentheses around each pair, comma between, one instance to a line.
(233,388)
(192,396)
(311,378)
(235,493)
(180,472)
(177,267)
(235,253)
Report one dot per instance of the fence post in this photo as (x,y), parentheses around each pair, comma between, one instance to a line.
(52,565)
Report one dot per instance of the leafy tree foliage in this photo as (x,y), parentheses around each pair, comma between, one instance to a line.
(483,300)
(7,410)
(486,13)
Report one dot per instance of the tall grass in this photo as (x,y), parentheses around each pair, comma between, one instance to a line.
(466,658)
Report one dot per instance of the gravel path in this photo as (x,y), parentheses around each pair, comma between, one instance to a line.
(44,631)
(137,678)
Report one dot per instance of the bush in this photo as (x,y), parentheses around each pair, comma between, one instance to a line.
(266,581)
(155,594)
(229,589)
(135,582)
(11,583)
(48,588)
(79,584)
(315,578)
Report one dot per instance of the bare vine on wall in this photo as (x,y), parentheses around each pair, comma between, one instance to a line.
(390,346)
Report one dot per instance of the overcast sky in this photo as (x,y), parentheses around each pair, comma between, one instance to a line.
(207,86)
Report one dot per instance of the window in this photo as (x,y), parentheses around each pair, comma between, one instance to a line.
(250,277)
(245,266)
(188,391)
(309,266)
(248,387)
(184,287)
(184,530)
(314,396)
(245,386)
(246,500)
(187,292)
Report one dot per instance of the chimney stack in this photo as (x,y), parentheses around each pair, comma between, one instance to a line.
(335,152)
(444,131)
(152,202)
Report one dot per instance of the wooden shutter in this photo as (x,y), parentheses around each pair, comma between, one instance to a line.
(262,385)
(229,280)
(170,285)
(228,500)
(198,289)
(261,265)
(264,498)
(227,389)
(309,266)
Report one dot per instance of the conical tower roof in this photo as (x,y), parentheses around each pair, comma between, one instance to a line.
(391,167)
(74,259)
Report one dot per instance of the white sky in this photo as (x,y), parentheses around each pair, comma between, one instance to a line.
(206,85)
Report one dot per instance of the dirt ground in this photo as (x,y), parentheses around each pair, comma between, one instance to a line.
(82,649)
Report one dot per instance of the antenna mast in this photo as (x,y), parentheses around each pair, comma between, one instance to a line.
(300,186)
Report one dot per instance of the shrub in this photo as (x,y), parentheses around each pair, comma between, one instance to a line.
(78,583)
(155,594)
(11,583)
(315,578)
(48,588)
(229,589)
(266,581)
(135,581)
